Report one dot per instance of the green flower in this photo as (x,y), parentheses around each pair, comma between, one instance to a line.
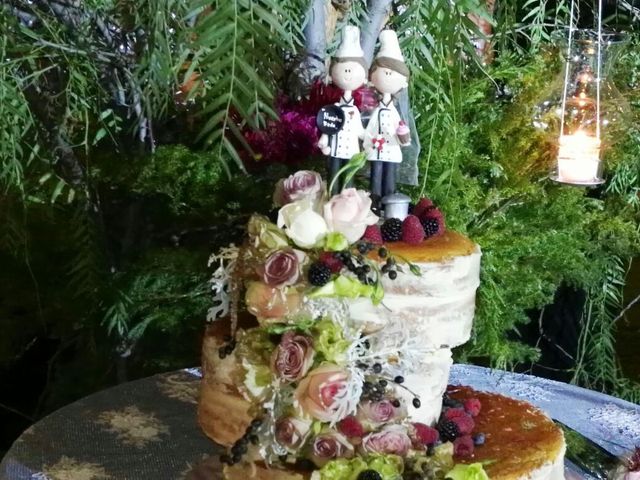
(475,471)
(335,242)
(265,236)
(330,341)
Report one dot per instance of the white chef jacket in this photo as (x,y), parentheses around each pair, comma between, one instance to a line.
(380,139)
(346,143)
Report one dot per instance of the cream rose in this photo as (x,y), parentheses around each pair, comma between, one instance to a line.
(316,393)
(270,303)
(303,224)
(300,185)
(373,414)
(349,213)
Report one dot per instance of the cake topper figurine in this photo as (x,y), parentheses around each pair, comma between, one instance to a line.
(340,123)
(386,132)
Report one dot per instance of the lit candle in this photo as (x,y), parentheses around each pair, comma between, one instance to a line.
(579,158)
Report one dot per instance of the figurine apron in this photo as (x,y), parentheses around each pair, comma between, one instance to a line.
(383,148)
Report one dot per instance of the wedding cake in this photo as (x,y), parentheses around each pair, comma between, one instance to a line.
(329,349)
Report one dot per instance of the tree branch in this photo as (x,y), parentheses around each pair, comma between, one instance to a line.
(377,13)
(311,66)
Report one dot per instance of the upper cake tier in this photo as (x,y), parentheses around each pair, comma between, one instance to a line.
(437,306)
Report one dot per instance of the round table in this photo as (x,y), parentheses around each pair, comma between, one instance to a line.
(147,429)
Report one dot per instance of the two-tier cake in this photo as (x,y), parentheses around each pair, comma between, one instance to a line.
(331,356)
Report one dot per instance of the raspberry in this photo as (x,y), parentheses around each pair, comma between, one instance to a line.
(412,231)
(422,207)
(391,230)
(463,446)
(452,413)
(472,406)
(332,261)
(465,424)
(425,435)
(319,274)
(351,427)
(373,234)
(448,430)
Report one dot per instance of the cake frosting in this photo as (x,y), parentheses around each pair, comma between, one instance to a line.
(329,350)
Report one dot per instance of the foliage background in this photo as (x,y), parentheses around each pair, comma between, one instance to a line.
(123,164)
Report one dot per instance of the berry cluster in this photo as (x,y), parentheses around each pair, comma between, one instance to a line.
(426,221)
(369,475)
(240,448)
(456,425)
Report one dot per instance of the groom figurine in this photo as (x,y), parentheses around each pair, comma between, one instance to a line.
(386,132)
(348,73)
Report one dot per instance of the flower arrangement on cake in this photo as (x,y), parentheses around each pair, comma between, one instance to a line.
(324,393)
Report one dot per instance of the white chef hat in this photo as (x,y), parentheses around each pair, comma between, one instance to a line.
(390,56)
(350,49)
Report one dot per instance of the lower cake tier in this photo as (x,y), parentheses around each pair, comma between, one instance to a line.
(520,443)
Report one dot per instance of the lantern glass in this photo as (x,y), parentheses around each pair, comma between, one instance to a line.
(573,125)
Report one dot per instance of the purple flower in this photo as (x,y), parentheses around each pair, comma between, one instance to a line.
(291,432)
(293,357)
(393,440)
(328,446)
(300,185)
(282,268)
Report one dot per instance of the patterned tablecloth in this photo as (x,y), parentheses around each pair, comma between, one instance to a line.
(147,429)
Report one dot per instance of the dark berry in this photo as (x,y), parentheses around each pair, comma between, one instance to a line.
(367,386)
(416,402)
(393,274)
(382,252)
(255,424)
(254,439)
(448,430)
(319,274)
(224,458)
(377,368)
(431,226)
(236,457)
(222,353)
(384,269)
(382,383)
(369,475)
(392,230)
(399,379)
(479,439)
(395,402)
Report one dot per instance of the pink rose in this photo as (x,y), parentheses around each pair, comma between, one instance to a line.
(302,184)
(349,213)
(270,303)
(328,446)
(291,432)
(316,393)
(393,440)
(293,357)
(373,414)
(282,268)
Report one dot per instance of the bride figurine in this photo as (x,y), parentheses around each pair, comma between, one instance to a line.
(386,132)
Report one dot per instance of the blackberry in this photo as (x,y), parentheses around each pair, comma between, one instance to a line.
(448,430)
(430,226)
(369,475)
(319,274)
(392,230)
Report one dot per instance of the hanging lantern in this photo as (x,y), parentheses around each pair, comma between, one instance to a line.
(583,105)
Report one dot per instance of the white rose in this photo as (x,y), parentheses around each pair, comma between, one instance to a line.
(303,225)
(349,213)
